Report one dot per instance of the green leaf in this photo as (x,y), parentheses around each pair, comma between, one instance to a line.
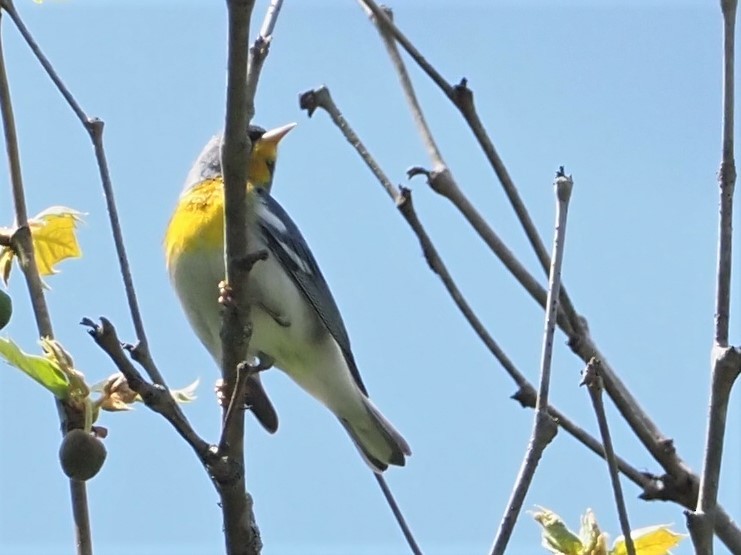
(41,369)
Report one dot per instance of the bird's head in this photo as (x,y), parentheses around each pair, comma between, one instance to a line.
(264,154)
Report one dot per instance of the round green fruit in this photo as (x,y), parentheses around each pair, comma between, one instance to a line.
(6,309)
(81,454)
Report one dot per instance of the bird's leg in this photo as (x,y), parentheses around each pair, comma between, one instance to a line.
(259,364)
(246,264)
(251,259)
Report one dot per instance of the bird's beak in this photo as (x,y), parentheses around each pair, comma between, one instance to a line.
(275,135)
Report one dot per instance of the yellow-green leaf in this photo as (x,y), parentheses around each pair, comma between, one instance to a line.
(594,540)
(556,536)
(654,540)
(54,238)
(41,369)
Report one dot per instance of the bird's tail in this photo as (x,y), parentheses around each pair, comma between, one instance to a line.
(376,439)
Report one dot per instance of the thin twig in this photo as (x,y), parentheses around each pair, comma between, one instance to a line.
(580,341)
(677,487)
(544,426)
(684,484)
(236,403)
(259,51)
(726,178)
(440,178)
(564,184)
(401,521)
(406,85)
(94,127)
(593,380)
(154,396)
(23,245)
(726,364)
(402,197)
(462,97)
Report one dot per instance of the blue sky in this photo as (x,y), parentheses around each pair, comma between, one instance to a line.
(626,97)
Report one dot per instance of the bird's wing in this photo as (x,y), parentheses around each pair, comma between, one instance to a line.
(289,247)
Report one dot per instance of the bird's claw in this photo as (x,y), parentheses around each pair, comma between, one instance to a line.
(225,294)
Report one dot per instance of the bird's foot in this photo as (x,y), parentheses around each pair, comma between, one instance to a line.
(260,363)
(225,294)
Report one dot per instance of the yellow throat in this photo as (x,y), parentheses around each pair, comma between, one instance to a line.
(198,221)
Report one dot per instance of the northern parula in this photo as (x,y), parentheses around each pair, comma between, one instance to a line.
(296,323)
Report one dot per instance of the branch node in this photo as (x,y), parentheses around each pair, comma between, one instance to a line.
(308,101)
(462,95)
(414,171)
(526,396)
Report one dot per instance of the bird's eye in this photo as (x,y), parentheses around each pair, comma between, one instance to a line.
(271,165)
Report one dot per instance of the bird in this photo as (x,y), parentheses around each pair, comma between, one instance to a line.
(296,324)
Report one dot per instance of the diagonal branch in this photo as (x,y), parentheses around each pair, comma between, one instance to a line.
(544,426)
(678,484)
(684,481)
(23,245)
(94,127)
(154,396)
(462,98)
(321,98)
(593,380)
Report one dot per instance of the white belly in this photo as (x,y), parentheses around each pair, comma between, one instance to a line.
(304,349)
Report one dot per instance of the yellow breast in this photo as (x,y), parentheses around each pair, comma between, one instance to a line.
(198,221)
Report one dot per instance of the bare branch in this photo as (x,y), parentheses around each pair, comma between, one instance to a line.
(680,488)
(593,380)
(402,197)
(564,185)
(401,521)
(726,177)
(726,361)
(22,243)
(321,98)
(94,127)
(726,370)
(259,51)
(155,396)
(406,85)
(243,73)
(544,426)
(724,374)
(236,403)
(660,447)
(462,98)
